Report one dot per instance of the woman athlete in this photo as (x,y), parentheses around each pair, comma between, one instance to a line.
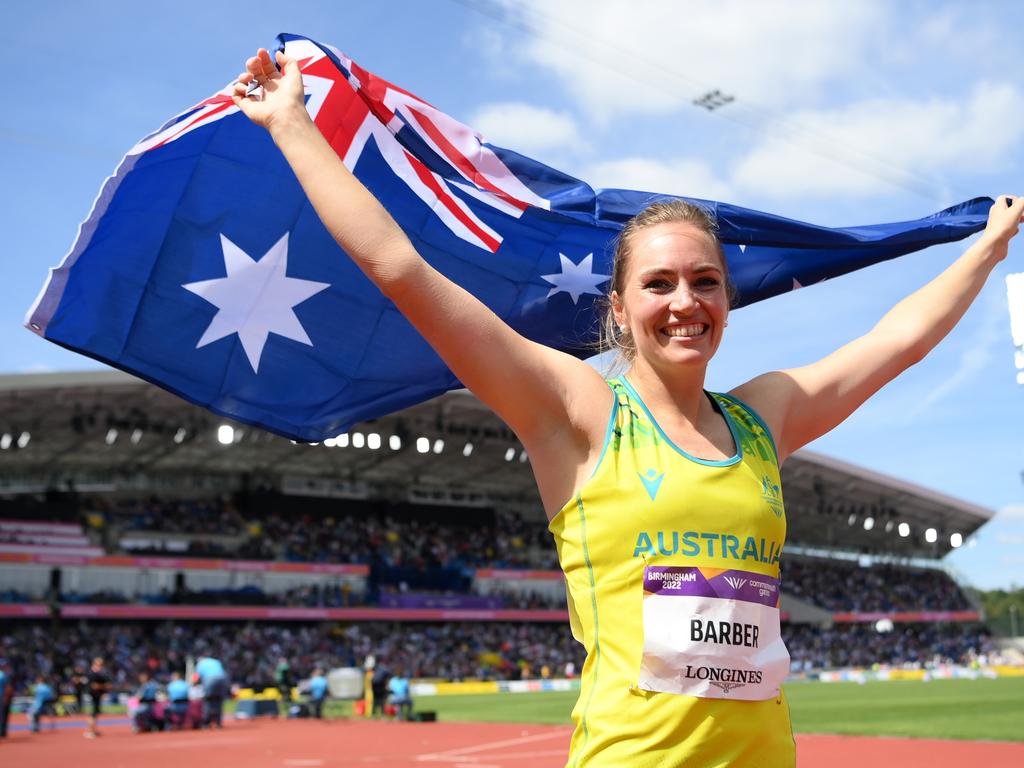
(664,499)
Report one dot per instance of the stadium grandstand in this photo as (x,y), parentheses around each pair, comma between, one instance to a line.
(146,530)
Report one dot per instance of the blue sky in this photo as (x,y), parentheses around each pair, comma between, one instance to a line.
(842,116)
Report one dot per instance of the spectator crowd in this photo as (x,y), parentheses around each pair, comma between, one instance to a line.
(846,586)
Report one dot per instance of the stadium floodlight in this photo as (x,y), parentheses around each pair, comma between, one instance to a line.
(903,530)
(523,457)
(395,442)
(5,441)
(889,525)
(1015,299)
(225,434)
(373,441)
(330,442)
(23,439)
(852,520)
(111,437)
(956,540)
(180,435)
(467,449)
(341,440)
(869,523)
(438,445)
(136,436)
(931,535)
(883,625)
(358,439)
(510,454)
(422,445)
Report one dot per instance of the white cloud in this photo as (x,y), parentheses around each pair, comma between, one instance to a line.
(525,128)
(888,142)
(1011,512)
(867,149)
(683,176)
(957,31)
(652,58)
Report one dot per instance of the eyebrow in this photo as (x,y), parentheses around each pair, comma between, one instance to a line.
(707,266)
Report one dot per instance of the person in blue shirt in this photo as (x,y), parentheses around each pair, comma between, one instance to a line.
(42,702)
(145,719)
(177,698)
(215,689)
(317,692)
(398,688)
(6,695)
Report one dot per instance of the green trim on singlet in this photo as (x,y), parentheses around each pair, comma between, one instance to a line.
(609,430)
(755,416)
(738,457)
(597,634)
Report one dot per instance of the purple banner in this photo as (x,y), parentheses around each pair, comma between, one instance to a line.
(728,585)
(443,602)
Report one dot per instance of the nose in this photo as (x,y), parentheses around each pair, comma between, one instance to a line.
(683,299)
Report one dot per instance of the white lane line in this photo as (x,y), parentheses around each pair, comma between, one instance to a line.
(531,755)
(462,753)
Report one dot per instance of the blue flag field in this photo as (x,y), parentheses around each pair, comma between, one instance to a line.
(204,269)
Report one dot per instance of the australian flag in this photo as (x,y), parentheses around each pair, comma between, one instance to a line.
(204,269)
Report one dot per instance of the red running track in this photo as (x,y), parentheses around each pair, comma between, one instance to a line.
(376,744)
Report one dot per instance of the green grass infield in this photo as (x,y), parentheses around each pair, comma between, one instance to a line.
(949,709)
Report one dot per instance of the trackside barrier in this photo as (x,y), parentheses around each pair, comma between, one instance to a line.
(256,613)
(426,688)
(267,694)
(938,673)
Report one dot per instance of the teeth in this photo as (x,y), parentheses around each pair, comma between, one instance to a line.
(685,330)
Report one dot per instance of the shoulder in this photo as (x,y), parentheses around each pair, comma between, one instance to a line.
(766,399)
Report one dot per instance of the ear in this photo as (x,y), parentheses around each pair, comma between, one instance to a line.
(618,311)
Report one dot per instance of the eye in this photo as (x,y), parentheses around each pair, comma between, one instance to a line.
(706,283)
(657,284)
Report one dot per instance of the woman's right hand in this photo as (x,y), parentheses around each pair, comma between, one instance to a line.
(280,97)
(1004,220)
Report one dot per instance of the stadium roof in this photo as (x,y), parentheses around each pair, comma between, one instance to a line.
(111,432)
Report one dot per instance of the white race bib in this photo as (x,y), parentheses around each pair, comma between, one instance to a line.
(715,636)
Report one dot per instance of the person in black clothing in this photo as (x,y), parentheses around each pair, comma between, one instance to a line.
(79,684)
(6,695)
(284,680)
(379,683)
(99,684)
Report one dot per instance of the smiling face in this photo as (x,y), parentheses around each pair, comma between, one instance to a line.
(673,299)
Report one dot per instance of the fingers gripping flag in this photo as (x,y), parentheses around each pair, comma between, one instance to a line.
(203,268)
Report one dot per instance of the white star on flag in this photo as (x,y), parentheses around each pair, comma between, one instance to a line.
(255,299)
(576,279)
(797,285)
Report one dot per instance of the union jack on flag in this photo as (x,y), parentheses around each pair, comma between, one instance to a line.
(202,266)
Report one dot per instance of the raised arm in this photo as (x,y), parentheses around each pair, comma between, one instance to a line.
(802,404)
(542,394)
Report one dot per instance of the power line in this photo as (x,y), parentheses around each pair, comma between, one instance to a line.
(743,112)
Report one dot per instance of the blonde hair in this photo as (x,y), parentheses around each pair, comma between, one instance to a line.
(663,212)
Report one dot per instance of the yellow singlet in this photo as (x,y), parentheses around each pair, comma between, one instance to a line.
(672,567)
